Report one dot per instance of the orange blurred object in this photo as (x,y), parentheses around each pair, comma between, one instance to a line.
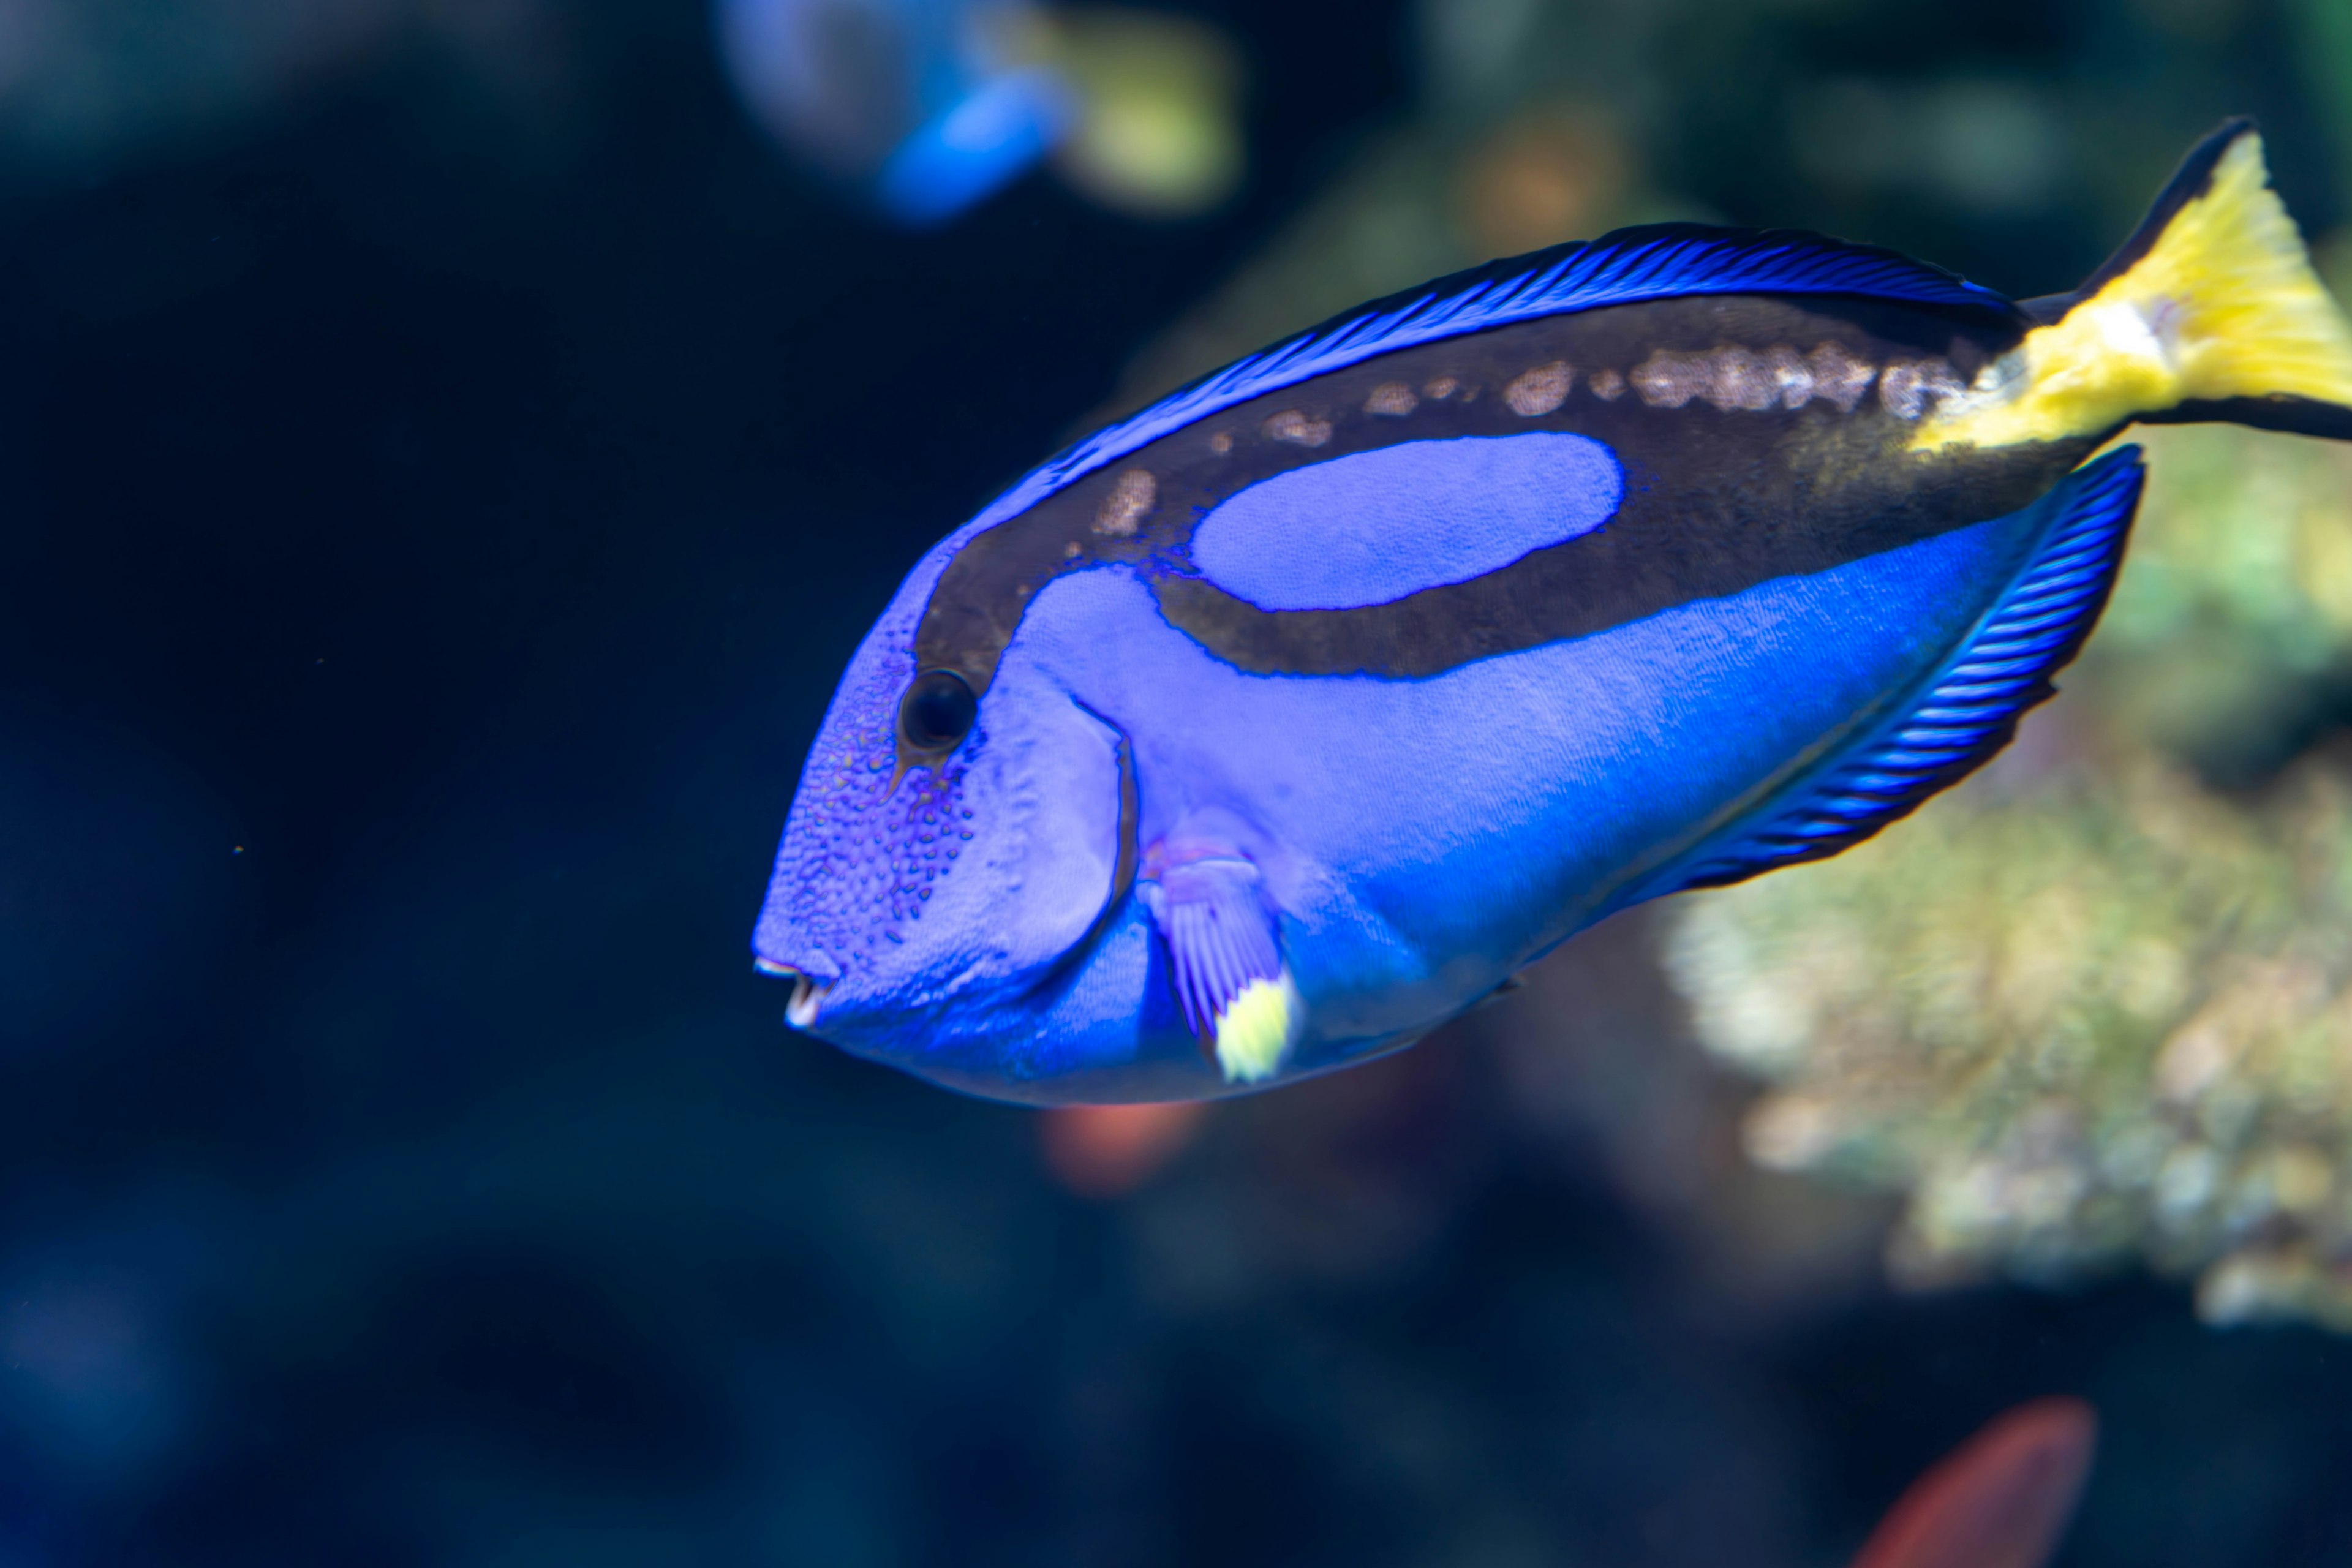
(1108,1150)
(1549,175)
(2000,1500)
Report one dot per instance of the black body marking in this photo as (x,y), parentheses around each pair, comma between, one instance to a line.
(1731,489)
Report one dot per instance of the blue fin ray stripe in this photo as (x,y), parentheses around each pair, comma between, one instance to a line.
(1968,709)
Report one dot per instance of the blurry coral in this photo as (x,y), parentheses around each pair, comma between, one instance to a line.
(2229,631)
(930,106)
(2096,1006)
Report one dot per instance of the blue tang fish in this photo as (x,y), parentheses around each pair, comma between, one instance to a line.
(925,104)
(1268,729)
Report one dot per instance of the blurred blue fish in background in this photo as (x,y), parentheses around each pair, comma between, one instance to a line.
(926,108)
(921,103)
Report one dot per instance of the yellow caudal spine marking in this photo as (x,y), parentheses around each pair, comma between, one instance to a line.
(2224,304)
(1255,1029)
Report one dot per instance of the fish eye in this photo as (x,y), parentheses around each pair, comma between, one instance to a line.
(937,711)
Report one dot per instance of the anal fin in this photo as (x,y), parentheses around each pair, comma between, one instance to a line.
(1236,993)
(1966,711)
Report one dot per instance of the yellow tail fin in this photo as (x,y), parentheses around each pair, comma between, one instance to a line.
(2211,311)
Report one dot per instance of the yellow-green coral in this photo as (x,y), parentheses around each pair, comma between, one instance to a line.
(2237,593)
(2103,1010)
(2114,1015)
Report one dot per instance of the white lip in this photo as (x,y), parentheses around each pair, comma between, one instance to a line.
(808,996)
(808,992)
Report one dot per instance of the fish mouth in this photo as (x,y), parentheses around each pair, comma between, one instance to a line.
(808,992)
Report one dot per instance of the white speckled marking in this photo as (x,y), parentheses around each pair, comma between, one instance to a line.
(1540,390)
(1910,386)
(1731,377)
(1790,375)
(1129,503)
(1291,426)
(1839,377)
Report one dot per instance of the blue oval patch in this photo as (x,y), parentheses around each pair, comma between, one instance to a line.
(1375,526)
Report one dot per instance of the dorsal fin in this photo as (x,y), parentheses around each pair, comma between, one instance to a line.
(1651,262)
(1968,710)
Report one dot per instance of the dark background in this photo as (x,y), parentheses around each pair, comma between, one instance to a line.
(434,521)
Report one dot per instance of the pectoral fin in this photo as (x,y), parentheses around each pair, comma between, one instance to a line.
(1226,954)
